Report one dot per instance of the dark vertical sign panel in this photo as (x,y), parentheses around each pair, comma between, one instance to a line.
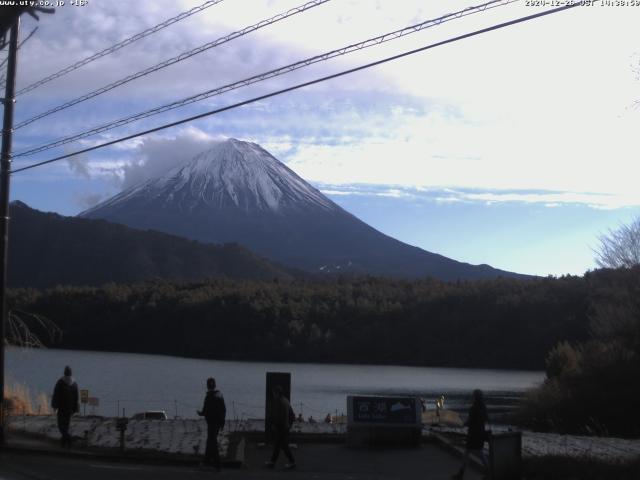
(282,379)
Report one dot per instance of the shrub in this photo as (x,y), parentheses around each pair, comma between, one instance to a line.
(563,360)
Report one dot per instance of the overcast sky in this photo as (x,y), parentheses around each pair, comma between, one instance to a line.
(516,148)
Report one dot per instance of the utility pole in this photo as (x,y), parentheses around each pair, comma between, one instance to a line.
(5,168)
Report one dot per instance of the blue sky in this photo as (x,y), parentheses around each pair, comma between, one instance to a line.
(516,148)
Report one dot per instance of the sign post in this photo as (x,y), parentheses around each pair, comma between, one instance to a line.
(84,399)
(121,426)
(93,403)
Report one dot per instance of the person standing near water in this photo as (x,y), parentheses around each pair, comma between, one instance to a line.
(214,411)
(476,433)
(65,401)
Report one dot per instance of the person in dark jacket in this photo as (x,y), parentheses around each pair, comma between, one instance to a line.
(476,432)
(282,417)
(65,402)
(214,411)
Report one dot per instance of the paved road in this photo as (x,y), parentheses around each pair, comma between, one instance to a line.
(336,461)
(317,461)
(45,467)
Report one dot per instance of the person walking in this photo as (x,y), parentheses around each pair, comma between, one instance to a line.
(476,433)
(282,417)
(214,411)
(65,401)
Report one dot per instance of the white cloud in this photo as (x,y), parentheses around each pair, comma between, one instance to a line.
(89,199)
(513,110)
(434,149)
(549,199)
(147,157)
(157,154)
(78,164)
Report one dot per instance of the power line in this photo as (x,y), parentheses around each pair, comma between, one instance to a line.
(119,45)
(301,85)
(24,40)
(174,60)
(2,80)
(268,75)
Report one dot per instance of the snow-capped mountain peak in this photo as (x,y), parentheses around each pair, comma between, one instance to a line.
(230,174)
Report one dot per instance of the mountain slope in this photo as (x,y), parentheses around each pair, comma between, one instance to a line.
(238,192)
(47,249)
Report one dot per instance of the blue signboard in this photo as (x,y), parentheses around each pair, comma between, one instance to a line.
(384,410)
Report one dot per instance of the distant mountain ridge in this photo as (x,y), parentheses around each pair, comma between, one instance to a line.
(47,249)
(238,192)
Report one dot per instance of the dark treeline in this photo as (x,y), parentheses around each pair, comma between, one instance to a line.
(502,323)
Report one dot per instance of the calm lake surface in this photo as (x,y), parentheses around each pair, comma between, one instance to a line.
(139,382)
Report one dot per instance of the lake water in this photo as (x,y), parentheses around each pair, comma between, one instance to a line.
(139,382)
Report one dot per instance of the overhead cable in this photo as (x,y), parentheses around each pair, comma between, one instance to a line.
(176,59)
(119,45)
(300,85)
(22,42)
(267,75)
(2,80)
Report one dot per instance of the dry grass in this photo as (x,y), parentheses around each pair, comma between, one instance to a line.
(447,417)
(18,401)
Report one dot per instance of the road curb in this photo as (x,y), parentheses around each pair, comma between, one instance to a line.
(448,445)
(119,457)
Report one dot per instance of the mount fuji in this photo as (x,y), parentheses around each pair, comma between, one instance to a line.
(238,192)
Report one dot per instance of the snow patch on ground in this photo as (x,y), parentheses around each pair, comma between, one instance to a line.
(536,444)
(320,428)
(188,436)
(181,436)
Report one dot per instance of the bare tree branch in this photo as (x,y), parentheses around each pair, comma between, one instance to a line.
(620,248)
(26,329)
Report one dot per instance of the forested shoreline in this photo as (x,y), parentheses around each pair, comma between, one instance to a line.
(501,323)
(583,331)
